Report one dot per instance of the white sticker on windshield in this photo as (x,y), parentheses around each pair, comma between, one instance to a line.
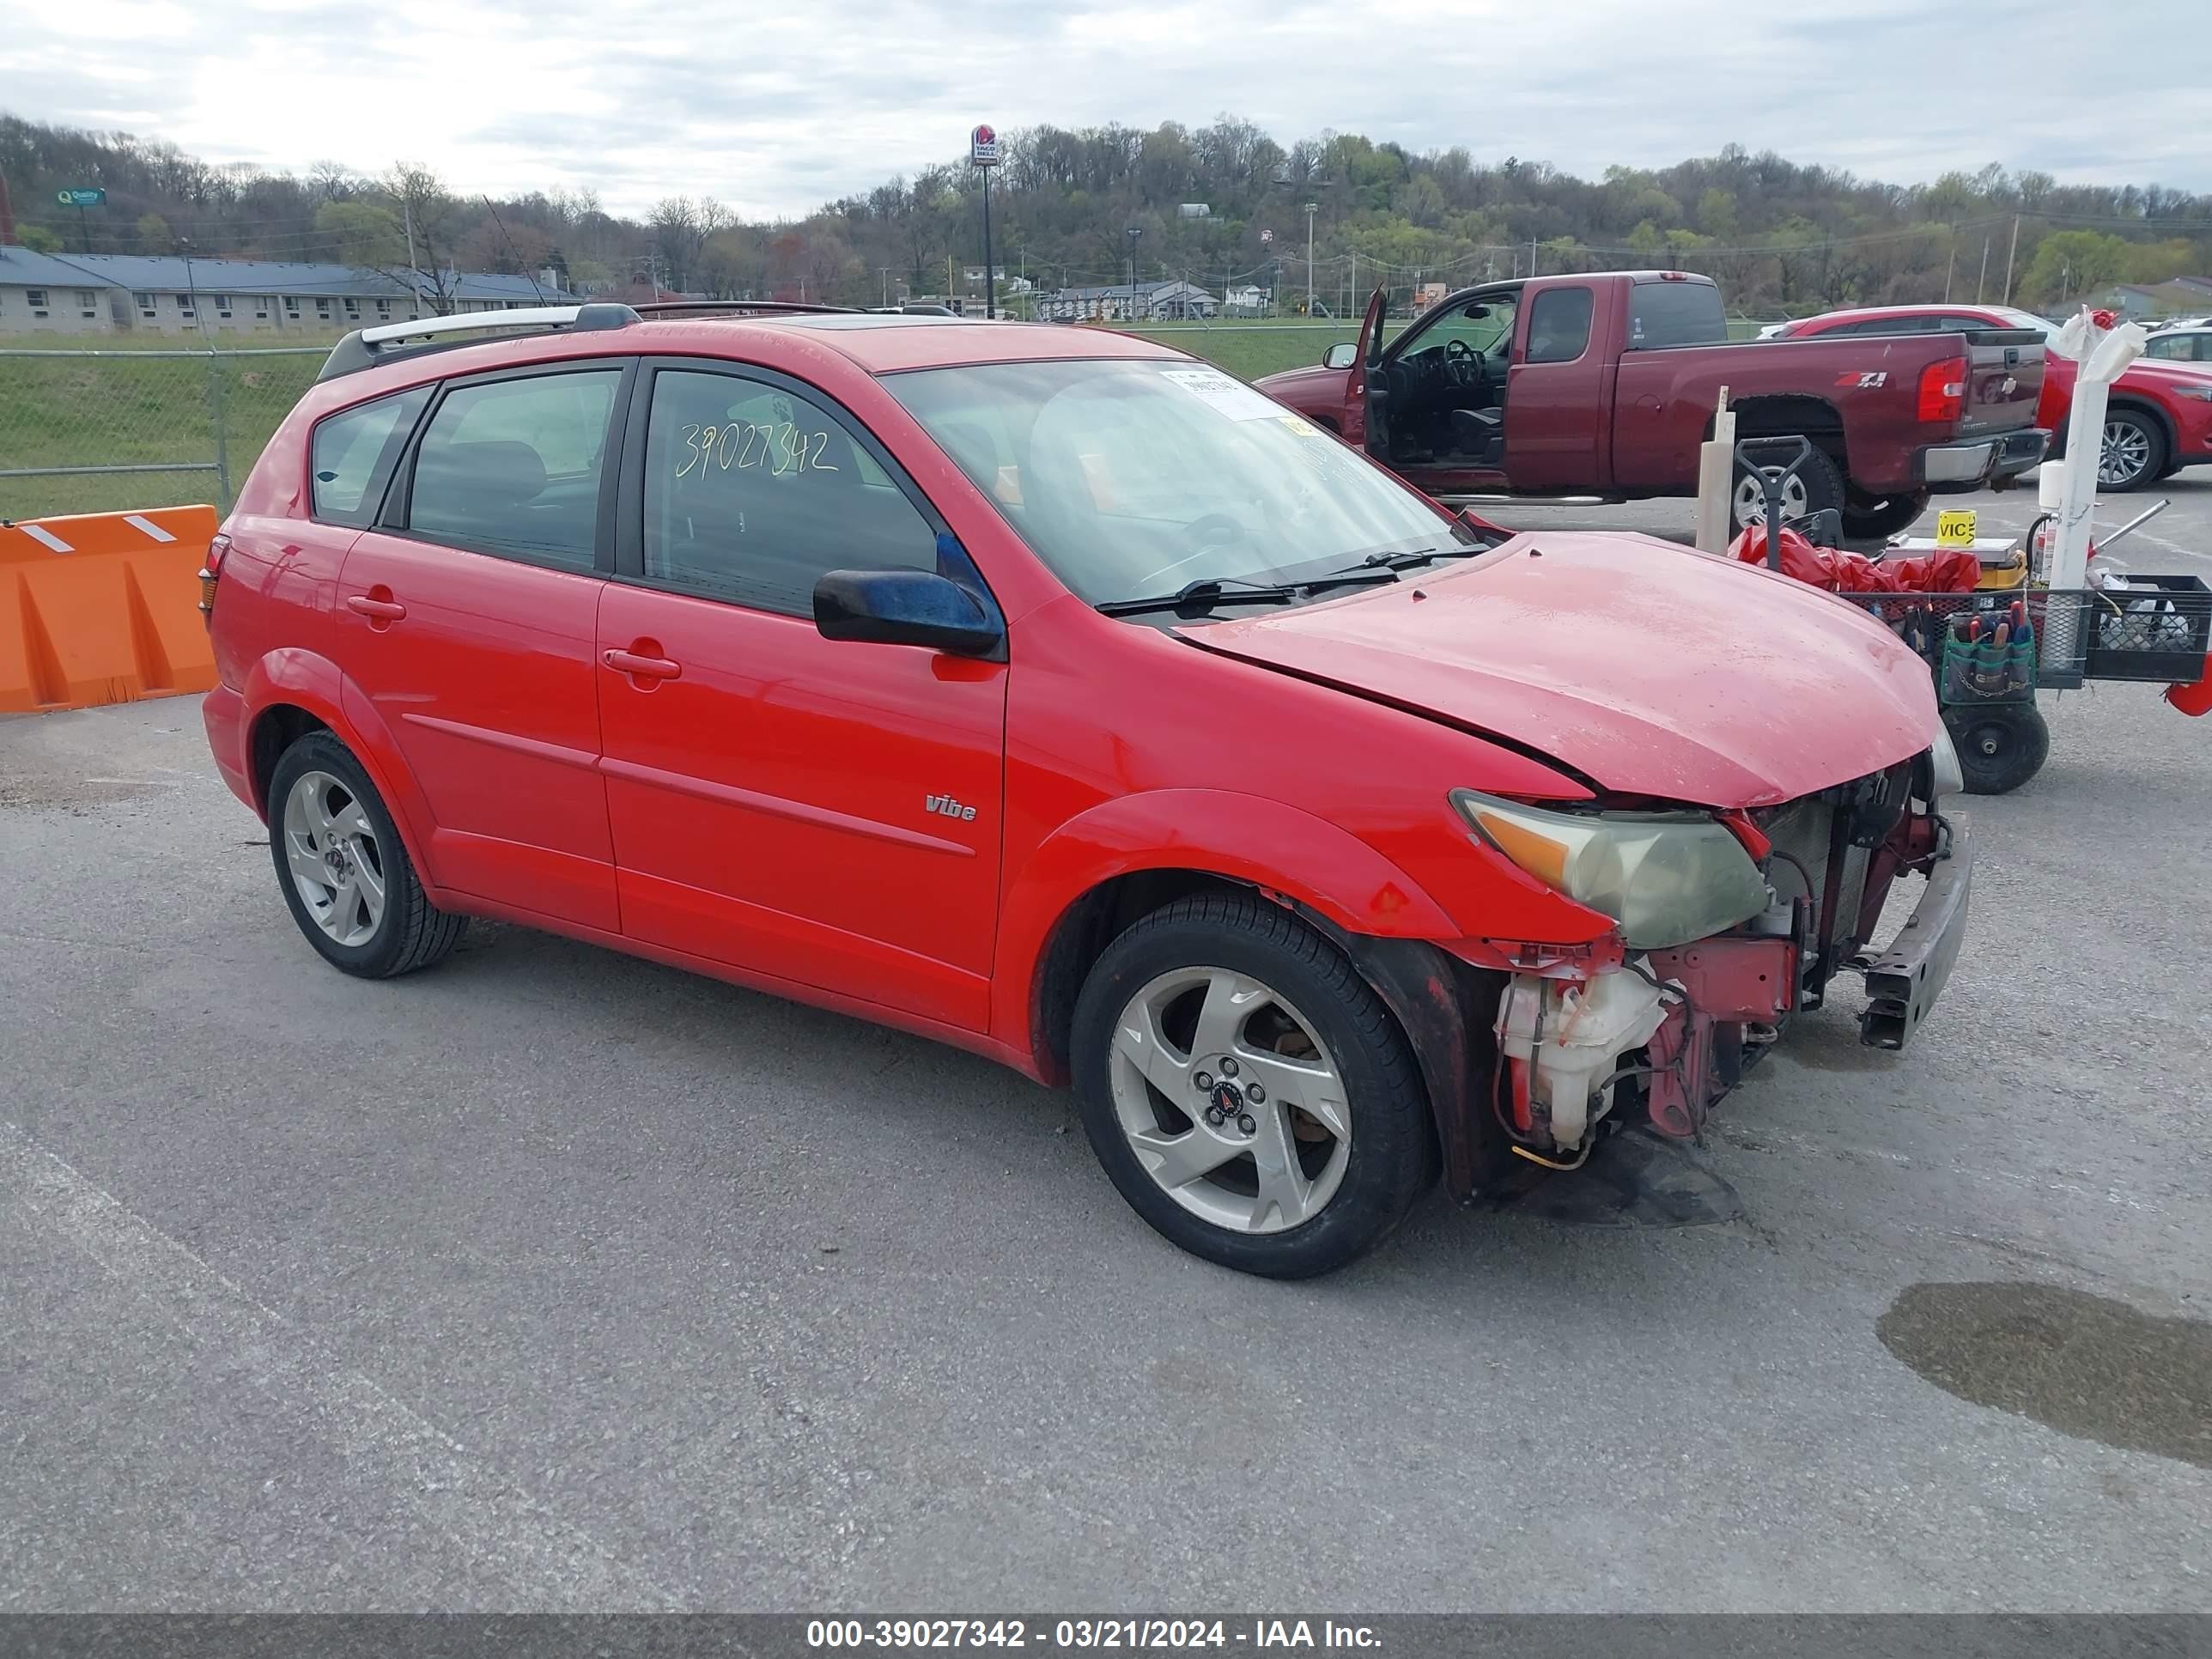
(1231,395)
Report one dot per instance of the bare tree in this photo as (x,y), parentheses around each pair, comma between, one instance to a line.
(334,181)
(429,226)
(680,228)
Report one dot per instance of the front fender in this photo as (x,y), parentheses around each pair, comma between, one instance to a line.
(1248,838)
(309,681)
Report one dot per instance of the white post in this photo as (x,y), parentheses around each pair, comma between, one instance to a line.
(1715,476)
(2101,355)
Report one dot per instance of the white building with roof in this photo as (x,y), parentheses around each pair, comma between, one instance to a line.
(167,293)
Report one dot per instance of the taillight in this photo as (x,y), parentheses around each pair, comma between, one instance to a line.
(209,572)
(1943,390)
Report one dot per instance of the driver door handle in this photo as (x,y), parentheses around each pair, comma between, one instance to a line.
(639,667)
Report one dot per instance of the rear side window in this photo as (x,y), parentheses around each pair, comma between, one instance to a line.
(1560,326)
(513,467)
(753,491)
(354,452)
(1675,314)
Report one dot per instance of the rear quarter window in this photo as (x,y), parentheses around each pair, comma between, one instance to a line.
(353,453)
(1675,314)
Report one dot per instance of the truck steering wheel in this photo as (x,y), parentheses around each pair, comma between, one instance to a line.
(1463,363)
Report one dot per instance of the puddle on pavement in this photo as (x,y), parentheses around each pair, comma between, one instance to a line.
(2085,1365)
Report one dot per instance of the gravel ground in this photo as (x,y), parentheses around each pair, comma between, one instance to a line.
(553,1279)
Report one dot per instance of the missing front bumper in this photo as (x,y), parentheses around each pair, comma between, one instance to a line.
(1904,982)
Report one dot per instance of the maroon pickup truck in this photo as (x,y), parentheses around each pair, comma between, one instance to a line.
(1604,384)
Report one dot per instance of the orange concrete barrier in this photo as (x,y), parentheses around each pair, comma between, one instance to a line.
(103,607)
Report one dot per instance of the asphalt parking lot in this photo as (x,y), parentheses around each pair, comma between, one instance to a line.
(552,1280)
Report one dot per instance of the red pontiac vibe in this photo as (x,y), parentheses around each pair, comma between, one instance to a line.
(1047,692)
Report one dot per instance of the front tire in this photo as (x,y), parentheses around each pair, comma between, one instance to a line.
(343,869)
(2001,746)
(1247,1091)
(2134,453)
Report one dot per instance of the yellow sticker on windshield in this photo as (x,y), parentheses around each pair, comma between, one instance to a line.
(1955,528)
(1302,427)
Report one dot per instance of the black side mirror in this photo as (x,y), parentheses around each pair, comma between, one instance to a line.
(905,607)
(1342,354)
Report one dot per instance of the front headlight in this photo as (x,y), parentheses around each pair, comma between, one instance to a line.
(1949,779)
(1666,877)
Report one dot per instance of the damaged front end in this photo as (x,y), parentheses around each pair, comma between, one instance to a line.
(1730,923)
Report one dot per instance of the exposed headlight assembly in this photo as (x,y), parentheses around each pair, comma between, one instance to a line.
(1948,778)
(1666,878)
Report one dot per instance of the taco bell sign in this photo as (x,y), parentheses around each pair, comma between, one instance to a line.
(983,147)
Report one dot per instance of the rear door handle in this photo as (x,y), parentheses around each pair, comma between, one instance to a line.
(376,610)
(643,668)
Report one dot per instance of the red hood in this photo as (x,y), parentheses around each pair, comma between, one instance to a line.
(1649,668)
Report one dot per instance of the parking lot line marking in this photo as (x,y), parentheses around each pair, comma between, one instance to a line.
(500,1529)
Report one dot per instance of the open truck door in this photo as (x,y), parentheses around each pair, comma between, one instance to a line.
(1368,369)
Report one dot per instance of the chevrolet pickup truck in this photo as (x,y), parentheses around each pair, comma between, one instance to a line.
(1603,384)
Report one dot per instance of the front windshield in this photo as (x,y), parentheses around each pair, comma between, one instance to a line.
(1133,478)
(1482,327)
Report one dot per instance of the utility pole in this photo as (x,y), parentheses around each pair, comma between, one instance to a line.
(1984,277)
(415,270)
(2010,251)
(1947,269)
(1312,208)
(884,271)
(990,275)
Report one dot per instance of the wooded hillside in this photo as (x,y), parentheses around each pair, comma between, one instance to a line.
(1780,237)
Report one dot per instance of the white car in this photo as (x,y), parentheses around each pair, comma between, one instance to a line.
(2182,343)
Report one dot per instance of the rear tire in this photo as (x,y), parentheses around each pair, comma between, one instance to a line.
(1877,518)
(343,869)
(1817,487)
(2001,746)
(1180,1018)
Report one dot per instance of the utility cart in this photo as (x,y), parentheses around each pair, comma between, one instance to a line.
(1991,649)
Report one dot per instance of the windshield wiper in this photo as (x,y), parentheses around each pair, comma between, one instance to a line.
(1388,560)
(1209,590)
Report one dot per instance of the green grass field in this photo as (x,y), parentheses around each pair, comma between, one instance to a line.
(127,407)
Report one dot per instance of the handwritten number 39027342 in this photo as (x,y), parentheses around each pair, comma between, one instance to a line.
(780,447)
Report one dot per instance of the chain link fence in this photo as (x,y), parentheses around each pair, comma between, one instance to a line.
(115,431)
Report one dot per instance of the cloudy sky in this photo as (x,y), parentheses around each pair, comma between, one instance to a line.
(775,108)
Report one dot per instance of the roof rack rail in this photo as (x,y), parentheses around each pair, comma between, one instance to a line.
(365,348)
(673,307)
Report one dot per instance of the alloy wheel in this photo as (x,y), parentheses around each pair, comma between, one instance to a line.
(2125,455)
(1750,499)
(336,864)
(1230,1100)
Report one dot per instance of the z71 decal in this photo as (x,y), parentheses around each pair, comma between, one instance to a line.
(1868,378)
